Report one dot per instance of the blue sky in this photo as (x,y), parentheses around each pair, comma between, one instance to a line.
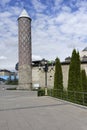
(58,26)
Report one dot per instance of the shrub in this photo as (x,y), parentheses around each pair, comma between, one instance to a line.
(41,92)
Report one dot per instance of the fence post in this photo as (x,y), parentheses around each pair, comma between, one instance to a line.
(74,96)
(83,97)
(51,92)
(61,94)
(67,95)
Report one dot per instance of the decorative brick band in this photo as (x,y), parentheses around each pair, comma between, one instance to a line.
(25,61)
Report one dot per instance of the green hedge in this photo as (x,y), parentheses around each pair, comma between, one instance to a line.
(41,92)
(12,88)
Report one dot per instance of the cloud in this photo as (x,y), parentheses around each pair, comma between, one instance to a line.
(3,2)
(57,28)
(61,32)
(38,6)
(36,57)
(9,38)
(3,58)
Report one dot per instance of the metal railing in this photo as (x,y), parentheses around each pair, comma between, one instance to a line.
(72,96)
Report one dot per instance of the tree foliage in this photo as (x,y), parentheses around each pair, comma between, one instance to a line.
(74,77)
(84,84)
(58,77)
(84,80)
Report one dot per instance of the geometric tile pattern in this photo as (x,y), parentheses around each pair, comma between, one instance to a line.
(24,25)
(25,71)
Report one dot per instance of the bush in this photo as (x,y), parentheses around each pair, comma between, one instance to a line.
(41,92)
(12,88)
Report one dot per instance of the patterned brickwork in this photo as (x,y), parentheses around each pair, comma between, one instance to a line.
(24,41)
(25,71)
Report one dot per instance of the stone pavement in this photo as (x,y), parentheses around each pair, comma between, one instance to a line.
(26,112)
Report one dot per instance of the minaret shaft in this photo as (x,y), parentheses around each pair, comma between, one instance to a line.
(25,61)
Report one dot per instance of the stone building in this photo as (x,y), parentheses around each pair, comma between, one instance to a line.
(4,72)
(83,54)
(38,76)
(6,75)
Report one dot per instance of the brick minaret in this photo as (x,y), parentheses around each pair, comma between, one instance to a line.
(25,62)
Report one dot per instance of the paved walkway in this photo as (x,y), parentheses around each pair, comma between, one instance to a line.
(26,112)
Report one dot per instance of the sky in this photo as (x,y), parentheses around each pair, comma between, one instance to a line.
(58,26)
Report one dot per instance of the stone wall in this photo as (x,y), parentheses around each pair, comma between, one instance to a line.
(65,70)
(38,76)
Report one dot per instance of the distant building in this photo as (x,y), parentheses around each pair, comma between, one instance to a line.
(83,54)
(5,72)
(67,59)
(38,76)
(4,75)
(84,58)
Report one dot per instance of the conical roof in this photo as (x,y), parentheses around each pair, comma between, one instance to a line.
(24,14)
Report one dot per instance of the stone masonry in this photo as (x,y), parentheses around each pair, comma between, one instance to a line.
(38,77)
(25,70)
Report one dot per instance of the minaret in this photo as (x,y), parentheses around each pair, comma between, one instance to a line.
(25,61)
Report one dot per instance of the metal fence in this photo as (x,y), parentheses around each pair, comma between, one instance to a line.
(72,96)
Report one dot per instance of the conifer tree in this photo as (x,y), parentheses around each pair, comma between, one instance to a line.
(58,77)
(74,78)
(84,84)
(72,72)
(78,73)
(84,80)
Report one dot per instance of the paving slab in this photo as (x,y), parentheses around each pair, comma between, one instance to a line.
(40,113)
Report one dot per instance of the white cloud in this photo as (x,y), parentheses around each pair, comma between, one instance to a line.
(38,6)
(3,58)
(61,33)
(9,38)
(53,35)
(36,57)
(3,2)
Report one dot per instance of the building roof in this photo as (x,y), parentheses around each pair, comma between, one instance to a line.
(24,14)
(4,70)
(68,58)
(85,49)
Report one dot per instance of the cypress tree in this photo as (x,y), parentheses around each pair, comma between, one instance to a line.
(84,84)
(72,72)
(74,77)
(58,77)
(78,73)
(84,80)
